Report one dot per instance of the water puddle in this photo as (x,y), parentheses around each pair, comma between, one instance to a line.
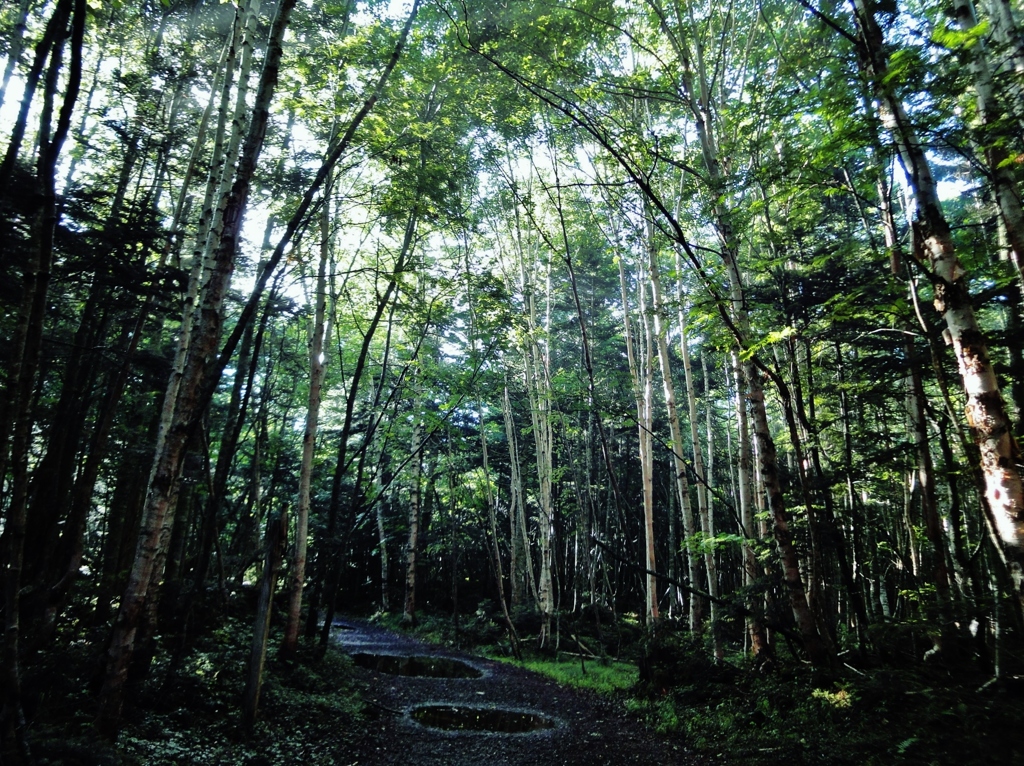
(466,718)
(430,667)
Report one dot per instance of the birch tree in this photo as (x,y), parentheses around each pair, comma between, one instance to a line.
(696,94)
(661,326)
(412,545)
(641,372)
(527,271)
(934,249)
(698,454)
(537,378)
(996,142)
(174,436)
(319,341)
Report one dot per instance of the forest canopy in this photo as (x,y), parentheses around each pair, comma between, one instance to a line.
(707,314)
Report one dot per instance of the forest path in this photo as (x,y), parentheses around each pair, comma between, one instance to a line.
(589,729)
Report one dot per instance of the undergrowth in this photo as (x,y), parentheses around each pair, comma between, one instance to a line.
(309,710)
(914,715)
(921,716)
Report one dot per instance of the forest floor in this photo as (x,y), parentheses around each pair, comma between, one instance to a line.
(587,728)
(664,701)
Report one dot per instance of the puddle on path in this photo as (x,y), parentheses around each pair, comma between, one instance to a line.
(466,718)
(430,667)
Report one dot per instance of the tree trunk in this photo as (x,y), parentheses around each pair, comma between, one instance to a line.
(994,139)
(929,501)
(1007,38)
(696,617)
(646,427)
(53,477)
(492,521)
(521,566)
(708,520)
(218,178)
(201,289)
(642,394)
(759,645)
(17,45)
(538,385)
(56,28)
(245,31)
(277,537)
(172,441)
(697,92)
(17,410)
(675,428)
(385,558)
(409,611)
(986,411)
(72,541)
(319,338)
(331,570)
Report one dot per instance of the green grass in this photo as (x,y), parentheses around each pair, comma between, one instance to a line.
(603,677)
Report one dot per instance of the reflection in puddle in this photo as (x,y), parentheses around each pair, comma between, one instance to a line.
(431,667)
(464,718)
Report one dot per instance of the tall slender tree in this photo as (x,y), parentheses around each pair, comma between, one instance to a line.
(934,249)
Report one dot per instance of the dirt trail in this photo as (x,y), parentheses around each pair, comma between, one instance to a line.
(588,729)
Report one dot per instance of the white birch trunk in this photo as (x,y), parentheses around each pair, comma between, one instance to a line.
(212,196)
(744,460)
(385,562)
(708,520)
(671,407)
(698,458)
(1009,43)
(158,513)
(1000,165)
(239,121)
(318,338)
(695,89)
(538,386)
(641,395)
(647,459)
(412,546)
(986,411)
(521,559)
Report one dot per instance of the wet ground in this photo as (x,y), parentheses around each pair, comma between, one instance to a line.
(551,724)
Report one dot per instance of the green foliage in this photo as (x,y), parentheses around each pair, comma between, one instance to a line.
(702,543)
(875,718)
(506,192)
(955,38)
(603,676)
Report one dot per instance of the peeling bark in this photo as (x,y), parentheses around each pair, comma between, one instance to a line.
(1000,456)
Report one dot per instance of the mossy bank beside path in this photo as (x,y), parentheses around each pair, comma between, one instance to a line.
(587,728)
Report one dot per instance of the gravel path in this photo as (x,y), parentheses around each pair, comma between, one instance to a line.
(589,729)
